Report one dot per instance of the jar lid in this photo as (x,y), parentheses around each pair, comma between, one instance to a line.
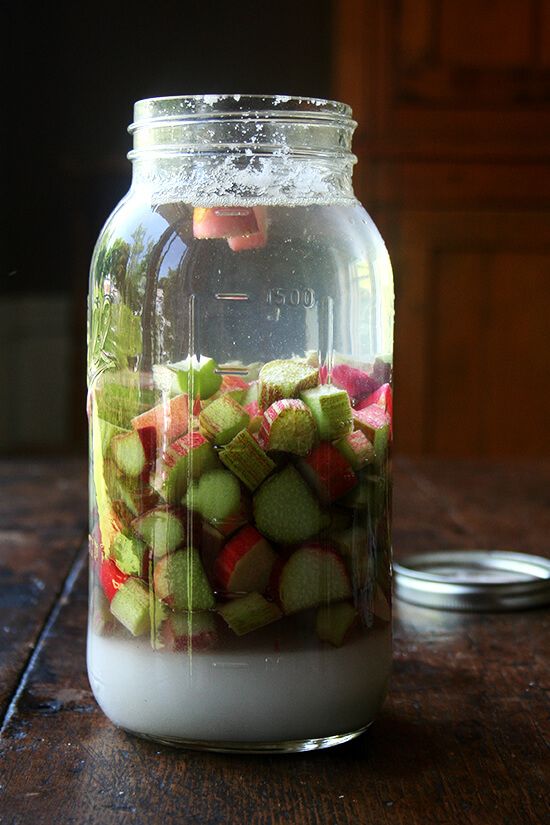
(477,580)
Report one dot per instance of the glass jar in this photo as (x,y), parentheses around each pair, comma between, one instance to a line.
(240,404)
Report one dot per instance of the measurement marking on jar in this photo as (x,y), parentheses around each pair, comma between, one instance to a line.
(291,297)
(232,296)
(230,370)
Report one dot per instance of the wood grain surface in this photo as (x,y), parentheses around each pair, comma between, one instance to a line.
(462,737)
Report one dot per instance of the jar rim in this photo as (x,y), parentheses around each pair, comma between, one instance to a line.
(207,107)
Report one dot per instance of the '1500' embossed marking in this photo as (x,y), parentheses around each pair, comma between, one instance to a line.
(291,297)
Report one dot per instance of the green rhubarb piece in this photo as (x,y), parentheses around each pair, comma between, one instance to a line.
(130,605)
(356,449)
(286,510)
(161,529)
(197,376)
(218,495)
(129,454)
(288,426)
(313,575)
(188,631)
(334,621)
(285,379)
(184,460)
(248,613)
(136,498)
(222,420)
(331,410)
(180,580)
(129,553)
(107,432)
(246,459)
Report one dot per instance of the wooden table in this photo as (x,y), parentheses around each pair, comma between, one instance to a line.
(460,740)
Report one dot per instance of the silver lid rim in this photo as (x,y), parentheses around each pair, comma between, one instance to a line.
(416,584)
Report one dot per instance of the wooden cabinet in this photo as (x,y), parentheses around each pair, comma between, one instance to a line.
(453,103)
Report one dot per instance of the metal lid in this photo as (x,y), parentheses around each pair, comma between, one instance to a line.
(478,580)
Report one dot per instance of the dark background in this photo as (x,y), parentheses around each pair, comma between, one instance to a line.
(76,71)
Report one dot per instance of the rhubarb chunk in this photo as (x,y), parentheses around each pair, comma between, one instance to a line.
(312,576)
(185,459)
(111,577)
(286,510)
(222,420)
(287,425)
(197,376)
(188,631)
(217,495)
(285,379)
(331,410)
(355,382)
(328,472)
(181,582)
(334,622)
(162,529)
(249,613)
(130,554)
(130,605)
(169,420)
(356,449)
(375,424)
(133,451)
(245,563)
(246,459)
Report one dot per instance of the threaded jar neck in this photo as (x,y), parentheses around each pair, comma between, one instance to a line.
(214,149)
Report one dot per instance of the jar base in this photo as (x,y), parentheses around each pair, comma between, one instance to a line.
(289,746)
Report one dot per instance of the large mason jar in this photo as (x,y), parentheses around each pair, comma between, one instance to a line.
(240,407)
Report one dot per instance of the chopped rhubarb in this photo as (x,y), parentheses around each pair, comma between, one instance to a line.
(184,460)
(382,371)
(249,613)
(383,397)
(355,382)
(134,451)
(356,448)
(334,622)
(180,581)
(285,509)
(375,424)
(246,459)
(245,563)
(130,555)
(169,419)
(197,377)
(130,605)
(313,575)
(331,410)
(187,631)
(328,472)
(285,379)
(217,495)
(222,420)
(288,426)
(163,529)
(111,577)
